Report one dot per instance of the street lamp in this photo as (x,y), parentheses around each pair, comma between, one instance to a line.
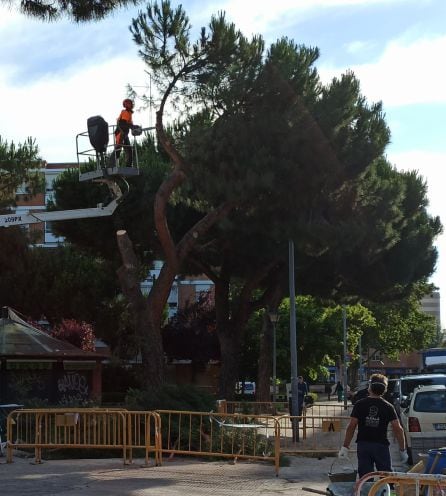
(274,318)
(294,410)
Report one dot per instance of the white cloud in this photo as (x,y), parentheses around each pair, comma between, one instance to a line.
(55,109)
(408,72)
(261,16)
(356,46)
(432,166)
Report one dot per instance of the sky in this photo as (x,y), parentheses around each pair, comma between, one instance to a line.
(53,76)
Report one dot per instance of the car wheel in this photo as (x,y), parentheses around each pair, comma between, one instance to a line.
(410,460)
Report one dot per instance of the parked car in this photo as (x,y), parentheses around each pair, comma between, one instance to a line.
(423,418)
(408,383)
(248,388)
(361,391)
(392,393)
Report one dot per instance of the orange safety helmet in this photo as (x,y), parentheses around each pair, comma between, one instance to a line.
(128,104)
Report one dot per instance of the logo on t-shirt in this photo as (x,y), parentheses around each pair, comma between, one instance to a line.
(372,419)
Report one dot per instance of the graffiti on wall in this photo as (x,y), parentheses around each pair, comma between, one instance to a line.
(73,388)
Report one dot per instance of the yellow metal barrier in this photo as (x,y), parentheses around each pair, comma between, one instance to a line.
(256,407)
(66,428)
(254,437)
(281,407)
(143,431)
(317,433)
(84,428)
(244,436)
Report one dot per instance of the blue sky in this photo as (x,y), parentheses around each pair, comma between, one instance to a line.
(54,76)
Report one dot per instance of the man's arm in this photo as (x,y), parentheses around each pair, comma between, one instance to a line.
(350,432)
(399,434)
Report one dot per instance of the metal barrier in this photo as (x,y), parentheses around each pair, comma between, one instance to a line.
(317,433)
(256,407)
(144,432)
(84,428)
(254,437)
(404,483)
(330,409)
(281,407)
(229,435)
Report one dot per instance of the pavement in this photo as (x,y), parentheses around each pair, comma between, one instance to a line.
(181,476)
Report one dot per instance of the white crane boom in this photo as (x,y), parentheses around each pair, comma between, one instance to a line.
(19,219)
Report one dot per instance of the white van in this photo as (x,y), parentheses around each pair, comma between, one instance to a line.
(408,383)
(423,420)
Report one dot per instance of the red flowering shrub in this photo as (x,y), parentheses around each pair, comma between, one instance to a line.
(79,334)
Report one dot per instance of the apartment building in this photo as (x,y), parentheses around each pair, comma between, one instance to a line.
(431,305)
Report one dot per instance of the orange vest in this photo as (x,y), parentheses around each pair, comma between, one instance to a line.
(125,115)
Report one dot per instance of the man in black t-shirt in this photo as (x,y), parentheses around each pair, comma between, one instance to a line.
(372,416)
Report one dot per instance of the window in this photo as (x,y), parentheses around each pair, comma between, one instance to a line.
(377,357)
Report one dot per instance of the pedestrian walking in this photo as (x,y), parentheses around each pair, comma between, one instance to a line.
(339,390)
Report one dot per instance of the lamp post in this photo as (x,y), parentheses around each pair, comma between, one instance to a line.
(360,368)
(274,318)
(293,342)
(344,326)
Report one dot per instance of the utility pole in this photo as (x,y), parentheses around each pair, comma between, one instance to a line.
(293,343)
(345,385)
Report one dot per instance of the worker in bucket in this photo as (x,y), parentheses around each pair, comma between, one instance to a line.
(372,415)
(123,126)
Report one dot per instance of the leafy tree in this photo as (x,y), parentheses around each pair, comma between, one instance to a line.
(401,326)
(58,283)
(80,334)
(191,333)
(13,265)
(265,153)
(319,336)
(76,10)
(19,166)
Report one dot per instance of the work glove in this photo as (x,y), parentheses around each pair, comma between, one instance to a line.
(343,452)
(404,457)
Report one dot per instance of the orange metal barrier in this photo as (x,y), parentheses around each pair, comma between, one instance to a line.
(317,433)
(84,428)
(144,431)
(244,436)
(254,437)
(281,407)
(256,407)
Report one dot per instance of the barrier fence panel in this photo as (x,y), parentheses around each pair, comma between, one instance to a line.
(331,409)
(230,435)
(220,435)
(281,407)
(321,434)
(144,432)
(256,407)
(66,428)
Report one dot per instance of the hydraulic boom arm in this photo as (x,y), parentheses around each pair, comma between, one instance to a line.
(18,219)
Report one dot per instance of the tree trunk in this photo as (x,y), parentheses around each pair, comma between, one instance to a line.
(147,325)
(265,369)
(230,359)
